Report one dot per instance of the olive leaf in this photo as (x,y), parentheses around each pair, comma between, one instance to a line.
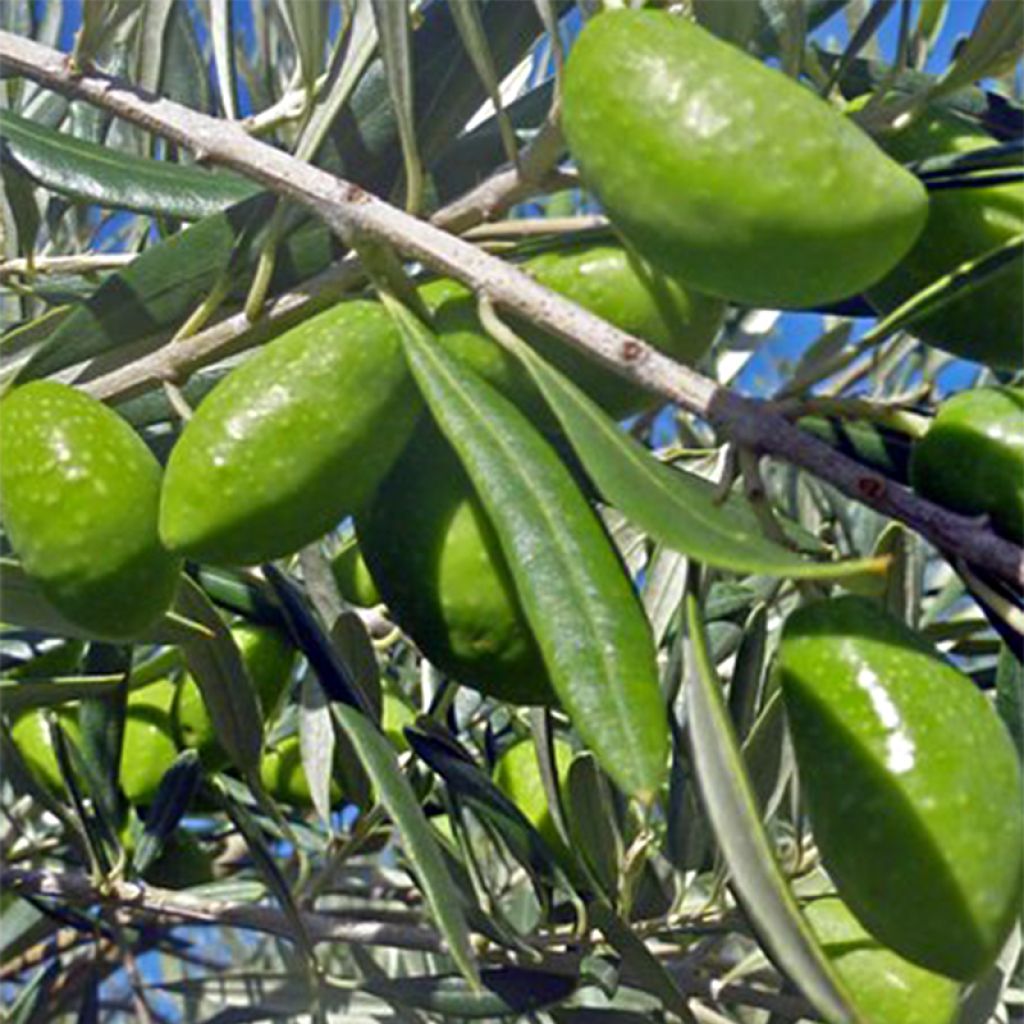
(87,172)
(755,874)
(588,622)
(675,507)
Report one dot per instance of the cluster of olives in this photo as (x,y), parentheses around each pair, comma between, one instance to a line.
(728,183)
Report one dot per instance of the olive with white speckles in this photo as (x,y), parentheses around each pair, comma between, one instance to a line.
(604,279)
(972,458)
(79,493)
(726,173)
(438,565)
(912,784)
(292,441)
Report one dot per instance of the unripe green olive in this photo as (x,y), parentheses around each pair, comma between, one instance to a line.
(727,174)
(885,988)
(148,748)
(438,564)
(283,777)
(972,458)
(517,775)
(609,282)
(32,738)
(986,324)
(355,583)
(268,657)
(911,781)
(291,441)
(79,493)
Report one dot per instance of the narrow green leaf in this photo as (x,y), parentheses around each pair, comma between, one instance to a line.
(647,971)
(308,22)
(1010,696)
(227,691)
(21,199)
(156,292)
(748,673)
(172,800)
(156,16)
(400,801)
(470,27)
(91,173)
(755,874)
(20,695)
(583,610)
(593,831)
(316,744)
(222,36)
(675,507)
(995,45)
(735,22)
(395,32)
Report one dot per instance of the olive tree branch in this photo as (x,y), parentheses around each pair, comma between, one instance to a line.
(353,212)
(138,903)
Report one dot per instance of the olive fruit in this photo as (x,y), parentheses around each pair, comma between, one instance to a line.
(268,658)
(355,584)
(31,736)
(438,564)
(607,281)
(885,988)
(292,441)
(911,781)
(972,458)
(284,778)
(727,174)
(79,492)
(986,324)
(148,748)
(517,775)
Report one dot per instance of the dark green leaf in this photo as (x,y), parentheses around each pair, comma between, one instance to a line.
(378,757)
(588,622)
(673,506)
(91,173)
(172,800)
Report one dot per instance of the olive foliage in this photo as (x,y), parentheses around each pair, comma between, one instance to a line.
(470,704)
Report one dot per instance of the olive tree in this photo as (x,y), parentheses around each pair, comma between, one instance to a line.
(437,586)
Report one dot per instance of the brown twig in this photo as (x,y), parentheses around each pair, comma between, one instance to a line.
(352,213)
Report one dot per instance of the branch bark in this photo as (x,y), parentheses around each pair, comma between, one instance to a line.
(353,213)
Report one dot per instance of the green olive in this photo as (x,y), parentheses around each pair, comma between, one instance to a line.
(986,324)
(32,738)
(911,781)
(972,458)
(438,565)
(885,988)
(285,779)
(355,583)
(148,748)
(727,174)
(396,714)
(517,775)
(604,279)
(79,493)
(268,657)
(182,864)
(292,441)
